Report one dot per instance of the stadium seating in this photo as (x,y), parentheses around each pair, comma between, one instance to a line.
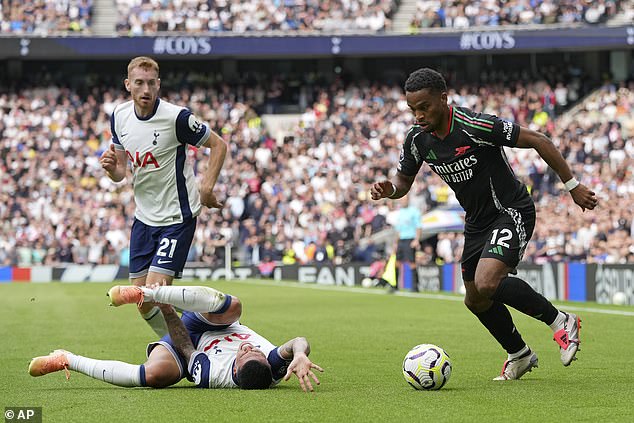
(304,198)
(138,17)
(148,17)
(46,17)
(479,13)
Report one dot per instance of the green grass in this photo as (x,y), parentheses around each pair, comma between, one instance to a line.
(359,339)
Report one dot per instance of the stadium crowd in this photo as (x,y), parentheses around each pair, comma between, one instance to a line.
(44,17)
(305,197)
(142,17)
(148,17)
(461,14)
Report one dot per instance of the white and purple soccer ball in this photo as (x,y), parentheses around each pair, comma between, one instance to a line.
(427,367)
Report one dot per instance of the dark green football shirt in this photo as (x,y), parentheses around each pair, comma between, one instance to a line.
(472,162)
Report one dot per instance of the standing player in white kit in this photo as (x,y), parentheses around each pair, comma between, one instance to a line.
(154,135)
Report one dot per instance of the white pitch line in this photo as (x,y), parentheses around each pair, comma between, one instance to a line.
(374,291)
(599,310)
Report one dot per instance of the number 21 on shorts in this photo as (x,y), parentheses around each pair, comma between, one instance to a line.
(164,245)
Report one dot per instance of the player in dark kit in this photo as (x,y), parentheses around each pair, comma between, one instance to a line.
(465,149)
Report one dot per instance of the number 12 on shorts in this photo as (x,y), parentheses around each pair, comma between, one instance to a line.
(164,245)
(505,235)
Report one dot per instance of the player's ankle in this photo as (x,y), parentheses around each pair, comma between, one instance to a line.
(559,322)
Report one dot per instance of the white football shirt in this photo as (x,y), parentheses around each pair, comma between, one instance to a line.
(220,348)
(165,189)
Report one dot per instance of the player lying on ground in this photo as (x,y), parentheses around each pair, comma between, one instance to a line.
(207,345)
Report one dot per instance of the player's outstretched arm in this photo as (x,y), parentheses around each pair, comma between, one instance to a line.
(216,160)
(392,189)
(298,350)
(581,194)
(178,332)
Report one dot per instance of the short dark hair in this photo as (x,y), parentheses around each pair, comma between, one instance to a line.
(254,375)
(425,78)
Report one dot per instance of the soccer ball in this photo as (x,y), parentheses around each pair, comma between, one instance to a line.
(367,283)
(619,298)
(427,367)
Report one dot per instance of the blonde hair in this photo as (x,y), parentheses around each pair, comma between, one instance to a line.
(143,62)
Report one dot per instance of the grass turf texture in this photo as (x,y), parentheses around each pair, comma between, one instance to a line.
(359,339)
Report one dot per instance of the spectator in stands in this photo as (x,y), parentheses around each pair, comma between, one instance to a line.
(199,16)
(41,204)
(46,17)
(478,13)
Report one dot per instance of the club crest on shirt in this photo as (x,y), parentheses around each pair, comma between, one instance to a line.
(461,150)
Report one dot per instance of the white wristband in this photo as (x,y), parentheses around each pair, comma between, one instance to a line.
(393,191)
(571,184)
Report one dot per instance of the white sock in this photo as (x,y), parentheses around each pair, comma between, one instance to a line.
(192,298)
(519,353)
(114,372)
(155,319)
(559,322)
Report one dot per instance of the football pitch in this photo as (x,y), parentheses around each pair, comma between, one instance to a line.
(359,336)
